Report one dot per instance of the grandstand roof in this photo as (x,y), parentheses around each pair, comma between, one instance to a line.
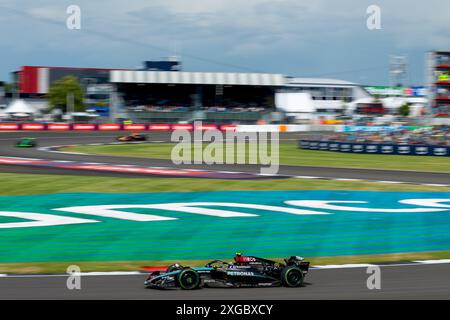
(319,81)
(211,78)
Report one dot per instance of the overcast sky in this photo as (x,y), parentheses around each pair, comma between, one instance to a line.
(324,38)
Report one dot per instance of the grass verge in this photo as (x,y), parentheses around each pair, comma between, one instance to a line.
(23,184)
(290,154)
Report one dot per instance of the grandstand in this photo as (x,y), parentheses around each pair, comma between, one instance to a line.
(438,83)
(167,97)
(317,98)
(163,93)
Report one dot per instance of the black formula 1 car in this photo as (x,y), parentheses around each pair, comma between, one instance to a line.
(245,271)
(133,137)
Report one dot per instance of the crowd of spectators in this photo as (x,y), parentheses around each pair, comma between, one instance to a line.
(233,109)
(168,108)
(153,108)
(438,136)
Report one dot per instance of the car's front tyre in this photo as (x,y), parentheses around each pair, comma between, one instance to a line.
(188,279)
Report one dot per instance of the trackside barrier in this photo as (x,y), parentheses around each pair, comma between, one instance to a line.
(9,126)
(206,127)
(284,128)
(33,126)
(188,127)
(390,128)
(163,127)
(258,128)
(58,127)
(365,148)
(84,127)
(159,127)
(228,127)
(325,128)
(135,127)
(109,127)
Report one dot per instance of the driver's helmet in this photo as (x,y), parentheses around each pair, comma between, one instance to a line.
(174,267)
(238,258)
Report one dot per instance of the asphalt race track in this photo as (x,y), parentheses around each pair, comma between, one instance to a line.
(397,282)
(8,139)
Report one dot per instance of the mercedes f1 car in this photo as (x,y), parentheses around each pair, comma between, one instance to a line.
(245,271)
(132,137)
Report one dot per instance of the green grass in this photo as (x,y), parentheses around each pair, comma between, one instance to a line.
(23,184)
(290,154)
(26,184)
(104,266)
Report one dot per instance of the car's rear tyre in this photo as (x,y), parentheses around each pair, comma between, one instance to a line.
(292,276)
(188,279)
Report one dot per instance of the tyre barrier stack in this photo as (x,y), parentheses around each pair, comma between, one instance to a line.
(373,148)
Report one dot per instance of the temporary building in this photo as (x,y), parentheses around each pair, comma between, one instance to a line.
(19,106)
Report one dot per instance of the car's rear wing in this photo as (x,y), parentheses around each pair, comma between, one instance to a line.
(304,266)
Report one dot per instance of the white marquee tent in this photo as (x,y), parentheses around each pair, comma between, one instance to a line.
(20,106)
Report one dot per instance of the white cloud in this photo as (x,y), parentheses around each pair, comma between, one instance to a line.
(48,13)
